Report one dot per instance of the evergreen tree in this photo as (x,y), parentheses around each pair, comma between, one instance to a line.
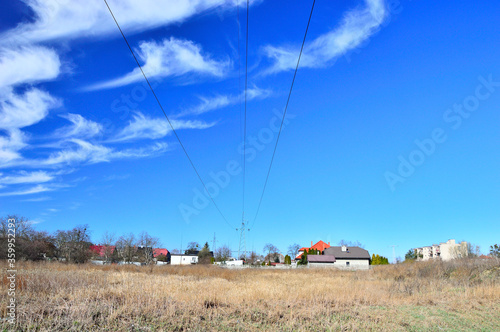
(204,255)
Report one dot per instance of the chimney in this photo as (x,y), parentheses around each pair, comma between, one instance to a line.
(344,248)
(311,243)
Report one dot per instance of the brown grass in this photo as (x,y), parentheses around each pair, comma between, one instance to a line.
(460,295)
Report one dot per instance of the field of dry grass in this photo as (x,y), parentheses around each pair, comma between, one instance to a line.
(459,296)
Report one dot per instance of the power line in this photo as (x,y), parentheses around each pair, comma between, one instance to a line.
(165,114)
(239,66)
(245,119)
(284,113)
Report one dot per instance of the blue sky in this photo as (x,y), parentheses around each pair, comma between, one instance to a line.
(390,139)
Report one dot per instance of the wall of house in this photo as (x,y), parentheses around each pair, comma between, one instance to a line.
(354,264)
(183,260)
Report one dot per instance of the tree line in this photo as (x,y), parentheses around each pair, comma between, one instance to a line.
(74,245)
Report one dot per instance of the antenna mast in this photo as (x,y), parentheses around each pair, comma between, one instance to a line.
(242,249)
(394,253)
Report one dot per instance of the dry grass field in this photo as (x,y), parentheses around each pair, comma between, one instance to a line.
(432,296)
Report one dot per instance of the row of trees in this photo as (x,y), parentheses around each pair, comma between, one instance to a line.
(70,245)
(74,245)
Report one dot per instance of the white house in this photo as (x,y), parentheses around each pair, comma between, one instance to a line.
(346,258)
(445,250)
(179,259)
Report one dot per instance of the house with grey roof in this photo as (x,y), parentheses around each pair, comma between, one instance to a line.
(320,260)
(344,257)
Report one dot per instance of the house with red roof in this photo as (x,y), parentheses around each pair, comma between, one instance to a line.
(320,246)
(101,251)
(161,251)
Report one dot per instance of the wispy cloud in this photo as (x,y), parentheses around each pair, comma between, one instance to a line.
(115,177)
(23,110)
(170,58)
(142,126)
(28,64)
(221,101)
(33,190)
(67,19)
(79,128)
(37,199)
(85,152)
(356,27)
(26,177)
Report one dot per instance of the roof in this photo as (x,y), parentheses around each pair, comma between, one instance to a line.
(352,252)
(160,251)
(321,259)
(320,245)
(100,250)
(485,257)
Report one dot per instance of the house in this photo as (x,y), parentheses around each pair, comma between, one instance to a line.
(320,260)
(161,251)
(183,259)
(320,246)
(101,251)
(445,250)
(342,257)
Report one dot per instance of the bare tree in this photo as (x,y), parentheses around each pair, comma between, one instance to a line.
(107,241)
(74,245)
(24,227)
(148,242)
(30,244)
(223,253)
(126,247)
(253,257)
(192,247)
(293,250)
(272,252)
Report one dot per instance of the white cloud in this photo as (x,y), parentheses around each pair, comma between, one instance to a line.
(33,190)
(79,128)
(28,64)
(172,57)
(37,199)
(19,111)
(67,19)
(25,177)
(145,127)
(217,102)
(10,146)
(87,153)
(356,27)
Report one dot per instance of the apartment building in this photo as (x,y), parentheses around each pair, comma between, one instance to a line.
(445,250)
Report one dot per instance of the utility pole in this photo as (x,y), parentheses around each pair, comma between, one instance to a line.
(243,242)
(214,242)
(394,253)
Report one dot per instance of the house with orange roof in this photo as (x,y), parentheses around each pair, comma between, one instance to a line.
(320,246)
